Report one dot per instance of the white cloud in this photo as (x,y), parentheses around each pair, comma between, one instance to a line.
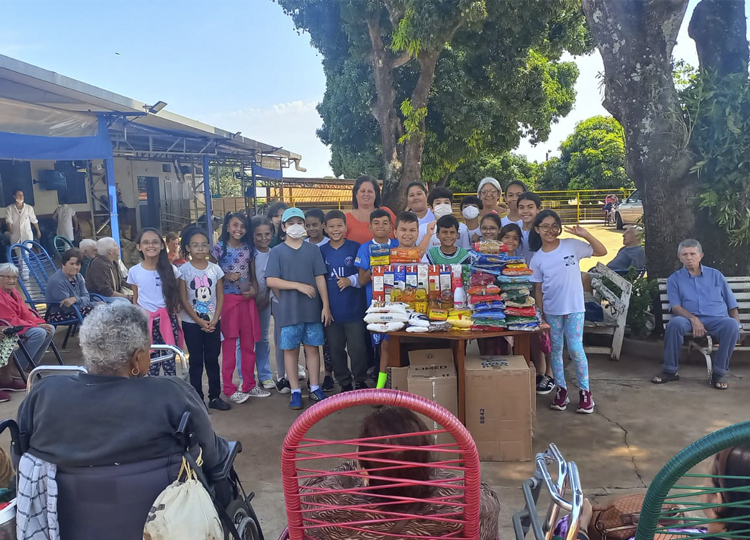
(291,125)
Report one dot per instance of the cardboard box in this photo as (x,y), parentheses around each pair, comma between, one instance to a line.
(499,400)
(432,375)
(397,378)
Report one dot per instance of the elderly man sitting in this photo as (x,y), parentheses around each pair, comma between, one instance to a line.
(88,248)
(701,302)
(36,334)
(103,276)
(631,253)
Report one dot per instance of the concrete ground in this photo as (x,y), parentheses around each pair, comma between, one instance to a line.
(637,427)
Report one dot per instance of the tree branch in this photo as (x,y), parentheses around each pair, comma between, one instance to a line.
(720,33)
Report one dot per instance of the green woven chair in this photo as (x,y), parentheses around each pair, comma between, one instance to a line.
(675,484)
(62,244)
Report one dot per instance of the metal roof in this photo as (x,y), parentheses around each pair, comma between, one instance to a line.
(31,84)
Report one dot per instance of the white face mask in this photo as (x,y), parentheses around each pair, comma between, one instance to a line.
(295,231)
(470,212)
(441,210)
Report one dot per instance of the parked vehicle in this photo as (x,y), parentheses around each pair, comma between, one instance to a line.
(630,211)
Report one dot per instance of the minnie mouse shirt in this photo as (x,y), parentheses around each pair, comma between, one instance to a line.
(201,289)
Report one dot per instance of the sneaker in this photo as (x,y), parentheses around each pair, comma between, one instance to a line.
(327,385)
(4,396)
(544,385)
(268,385)
(361,386)
(301,375)
(296,402)
(585,402)
(258,392)
(347,388)
(13,386)
(317,395)
(219,404)
(237,397)
(560,403)
(283,386)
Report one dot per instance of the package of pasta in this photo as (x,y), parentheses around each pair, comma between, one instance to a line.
(483,289)
(521,312)
(527,301)
(438,314)
(507,287)
(460,323)
(480,307)
(480,278)
(380,254)
(495,315)
(517,271)
(405,256)
(485,259)
(490,246)
(476,298)
(512,279)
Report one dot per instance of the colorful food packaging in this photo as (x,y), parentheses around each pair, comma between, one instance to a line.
(378,284)
(380,254)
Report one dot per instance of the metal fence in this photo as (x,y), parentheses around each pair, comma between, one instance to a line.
(579,206)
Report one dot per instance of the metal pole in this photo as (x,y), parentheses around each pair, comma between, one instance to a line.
(578,207)
(207,195)
(114,219)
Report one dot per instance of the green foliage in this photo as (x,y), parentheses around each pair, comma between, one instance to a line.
(639,319)
(229,186)
(719,124)
(592,157)
(498,78)
(505,168)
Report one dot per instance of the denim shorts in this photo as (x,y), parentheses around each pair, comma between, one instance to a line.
(301,334)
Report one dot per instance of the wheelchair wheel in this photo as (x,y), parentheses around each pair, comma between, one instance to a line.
(243,521)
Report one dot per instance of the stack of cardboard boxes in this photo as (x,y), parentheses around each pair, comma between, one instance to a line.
(500,398)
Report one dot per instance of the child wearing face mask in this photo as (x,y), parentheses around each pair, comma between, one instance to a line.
(441,201)
(471,206)
(297,272)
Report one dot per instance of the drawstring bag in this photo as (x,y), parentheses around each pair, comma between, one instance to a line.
(7,346)
(183,510)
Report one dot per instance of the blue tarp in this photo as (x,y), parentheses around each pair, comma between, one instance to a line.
(37,147)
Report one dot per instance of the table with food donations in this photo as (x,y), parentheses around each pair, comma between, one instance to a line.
(422,306)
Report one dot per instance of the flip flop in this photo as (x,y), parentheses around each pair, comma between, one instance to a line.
(664,378)
(719,382)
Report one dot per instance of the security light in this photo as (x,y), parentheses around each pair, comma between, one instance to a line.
(156,107)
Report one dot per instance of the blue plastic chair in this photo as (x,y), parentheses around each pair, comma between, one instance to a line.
(35,268)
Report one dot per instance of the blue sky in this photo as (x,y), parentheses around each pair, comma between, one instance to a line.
(236,64)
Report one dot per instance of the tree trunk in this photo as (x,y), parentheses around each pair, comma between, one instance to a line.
(720,33)
(635,39)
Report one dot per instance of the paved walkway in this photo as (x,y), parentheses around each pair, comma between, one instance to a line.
(636,429)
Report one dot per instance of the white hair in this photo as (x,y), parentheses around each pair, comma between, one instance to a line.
(87,243)
(8,268)
(107,352)
(689,243)
(489,180)
(103,245)
(638,230)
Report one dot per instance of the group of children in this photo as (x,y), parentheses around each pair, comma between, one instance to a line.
(221,299)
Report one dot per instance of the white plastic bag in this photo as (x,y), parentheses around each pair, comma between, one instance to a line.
(183,510)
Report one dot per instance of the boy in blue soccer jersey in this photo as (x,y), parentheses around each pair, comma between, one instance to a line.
(347,301)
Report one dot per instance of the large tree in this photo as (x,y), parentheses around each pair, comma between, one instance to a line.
(461,77)
(636,39)
(592,157)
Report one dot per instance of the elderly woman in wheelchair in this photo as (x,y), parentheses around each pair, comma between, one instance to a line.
(113,439)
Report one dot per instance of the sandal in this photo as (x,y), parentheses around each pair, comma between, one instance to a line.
(664,378)
(719,382)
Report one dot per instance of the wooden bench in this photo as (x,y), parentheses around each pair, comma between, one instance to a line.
(615,310)
(741,288)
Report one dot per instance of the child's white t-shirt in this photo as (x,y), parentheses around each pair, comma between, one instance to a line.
(463,241)
(560,276)
(506,221)
(150,296)
(321,243)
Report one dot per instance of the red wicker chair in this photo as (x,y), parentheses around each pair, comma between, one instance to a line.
(304,458)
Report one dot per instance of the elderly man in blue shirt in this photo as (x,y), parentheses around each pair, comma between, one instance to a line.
(702,303)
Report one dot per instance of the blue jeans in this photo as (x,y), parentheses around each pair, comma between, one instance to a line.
(262,348)
(725,329)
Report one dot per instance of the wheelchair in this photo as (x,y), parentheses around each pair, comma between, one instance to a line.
(99,502)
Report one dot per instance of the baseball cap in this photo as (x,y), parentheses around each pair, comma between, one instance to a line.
(289,213)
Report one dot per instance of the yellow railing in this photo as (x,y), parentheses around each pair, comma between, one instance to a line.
(573,206)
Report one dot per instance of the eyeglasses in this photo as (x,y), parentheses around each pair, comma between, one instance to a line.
(488,192)
(150,243)
(490,229)
(546,227)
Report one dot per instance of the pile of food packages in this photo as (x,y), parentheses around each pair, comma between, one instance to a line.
(492,293)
